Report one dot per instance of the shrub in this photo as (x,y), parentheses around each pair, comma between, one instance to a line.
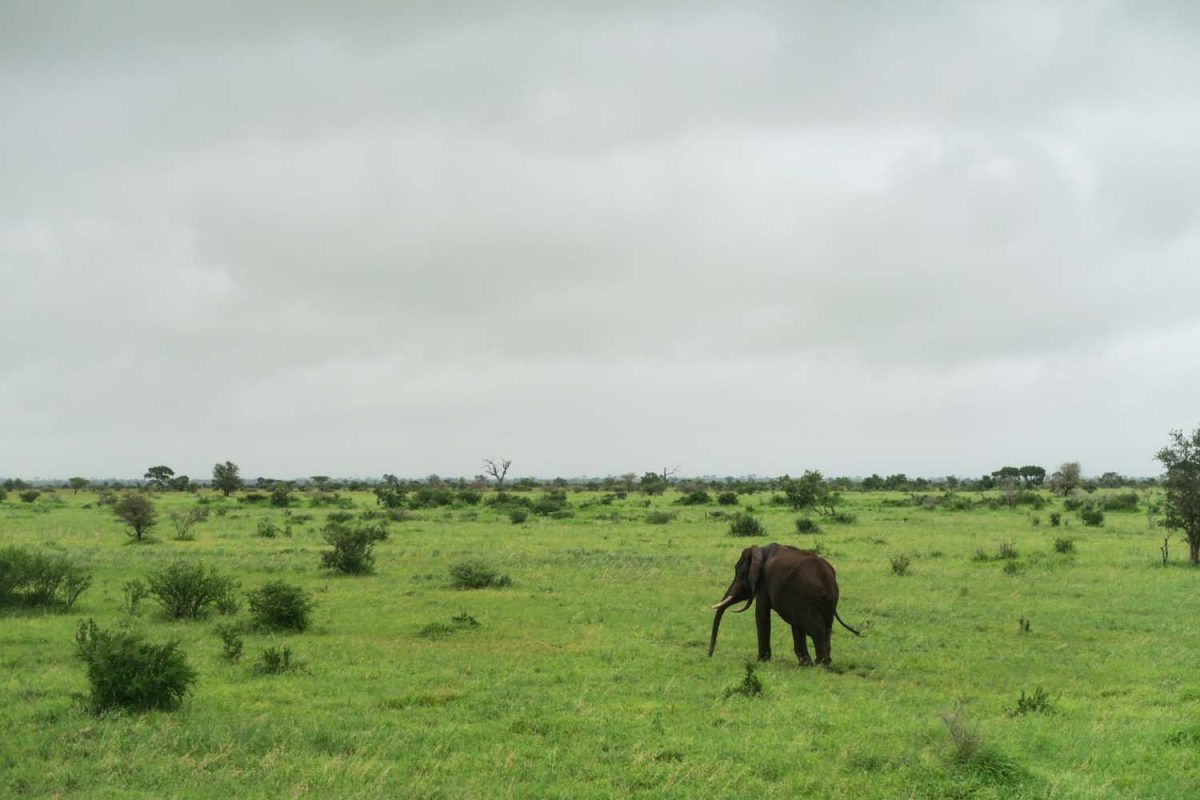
(750,686)
(37,579)
(1023,625)
(189,591)
(900,564)
(440,630)
(746,525)
(1120,501)
(807,525)
(350,548)
(137,512)
(275,661)
(659,517)
(281,495)
(124,670)
(29,495)
(1012,568)
(843,518)
(474,573)
(280,606)
(1055,519)
(727,499)
(1092,517)
(699,497)
(184,521)
(266,528)
(134,592)
(517,516)
(231,641)
(1037,702)
(1007,551)
(1064,545)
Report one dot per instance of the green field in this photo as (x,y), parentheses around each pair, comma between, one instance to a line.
(589,675)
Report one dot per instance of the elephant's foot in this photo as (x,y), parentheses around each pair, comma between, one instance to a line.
(805,662)
(764,656)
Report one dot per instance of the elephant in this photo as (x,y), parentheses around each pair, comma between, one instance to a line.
(798,585)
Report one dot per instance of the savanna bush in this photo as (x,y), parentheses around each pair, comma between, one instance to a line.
(1119,501)
(843,518)
(1036,702)
(1092,517)
(232,643)
(518,516)
(900,564)
(807,525)
(351,543)
(39,579)
(659,517)
(1064,545)
(188,590)
(29,495)
(124,670)
(275,661)
(1055,519)
(746,525)
(278,605)
(751,685)
(699,497)
(475,573)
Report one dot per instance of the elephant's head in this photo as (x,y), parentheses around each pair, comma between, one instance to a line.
(746,574)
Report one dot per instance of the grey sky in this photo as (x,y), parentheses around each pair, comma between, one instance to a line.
(357,238)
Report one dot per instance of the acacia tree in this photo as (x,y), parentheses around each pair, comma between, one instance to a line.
(497,469)
(1181,483)
(137,511)
(226,478)
(1066,478)
(78,483)
(159,478)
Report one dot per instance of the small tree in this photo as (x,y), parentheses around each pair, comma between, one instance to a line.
(184,521)
(1181,487)
(810,490)
(137,511)
(78,483)
(1066,478)
(159,478)
(497,469)
(226,478)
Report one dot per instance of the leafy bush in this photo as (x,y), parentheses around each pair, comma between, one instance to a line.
(750,686)
(1007,551)
(29,495)
(184,521)
(1012,568)
(475,573)
(807,525)
(1092,517)
(38,579)
(188,590)
(517,516)
(1064,545)
(699,497)
(1037,702)
(440,630)
(746,525)
(659,517)
(280,606)
(727,499)
(137,511)
(1055,519)
(843,518)
(134,592)
(1023,625)
(124,670)
(231,641)
(266,528)
(275,661)
(900,564)
(281,495)
(351,547)
(1119,501)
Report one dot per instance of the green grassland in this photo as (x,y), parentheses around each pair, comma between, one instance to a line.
(589,677)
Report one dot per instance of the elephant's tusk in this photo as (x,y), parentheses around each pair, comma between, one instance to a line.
(727,601)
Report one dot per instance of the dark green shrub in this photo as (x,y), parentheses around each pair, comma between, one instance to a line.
(1064,545)
(807,525)
(124,670)
(29,495)
(1120,501)
(188,590)
(350,548)
(517,516)
(1092,517)
(1023,625)
(38,579)
(900,564)
(280,606)
(266,528)
(750,686)
(440,630)
(1037,702)
(137,511)
(659,517)
(275,661)
(253,498)
(469,497)
(1007,551)
(843,518)
(474,573)
(699,497)
(1055,519)
(727,499)
(281,495)
(746,525)
(134,592)
(230,635)
(1012,568)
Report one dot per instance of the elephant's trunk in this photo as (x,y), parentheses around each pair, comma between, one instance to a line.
(712,643)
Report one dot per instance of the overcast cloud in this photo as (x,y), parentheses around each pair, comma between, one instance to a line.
(357,238)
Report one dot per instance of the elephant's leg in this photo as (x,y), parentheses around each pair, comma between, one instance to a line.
(800,643)
(821,642)
(762,619)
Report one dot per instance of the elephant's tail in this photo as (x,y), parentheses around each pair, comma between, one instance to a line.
(844,625)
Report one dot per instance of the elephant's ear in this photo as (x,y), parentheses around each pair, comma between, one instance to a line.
(756,568)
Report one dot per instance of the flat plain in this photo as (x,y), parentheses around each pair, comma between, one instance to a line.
(1062,675)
